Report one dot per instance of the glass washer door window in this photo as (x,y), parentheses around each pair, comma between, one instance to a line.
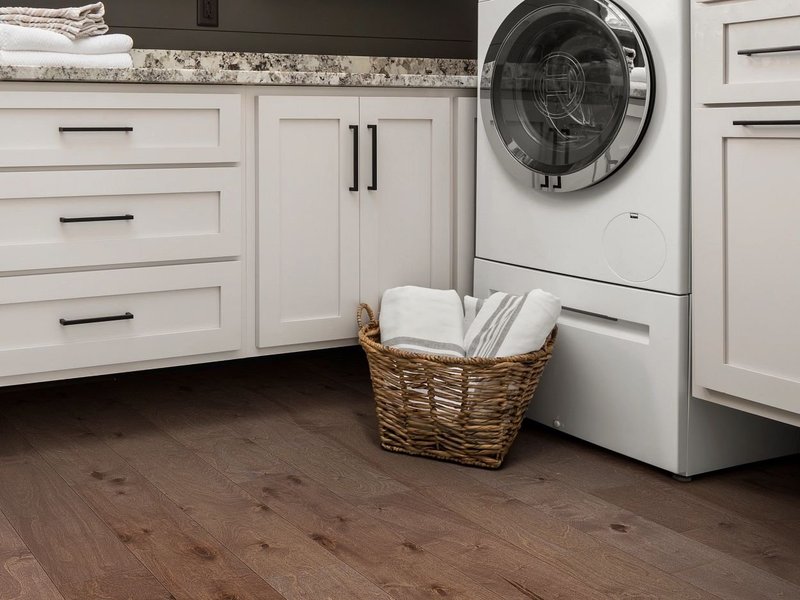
(560,89)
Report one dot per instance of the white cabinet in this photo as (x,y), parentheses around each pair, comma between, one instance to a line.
(746,51)
(745,209)
(308,219)
(746,248)
(354,196)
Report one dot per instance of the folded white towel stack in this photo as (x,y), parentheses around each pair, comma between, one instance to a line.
(74,23)
(423,320)
(509,325)
(29,39)
(61,59)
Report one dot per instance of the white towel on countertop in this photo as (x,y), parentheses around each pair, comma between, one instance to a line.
(422,320)
(510,325)
(15,38)
(73,22)
(60,59)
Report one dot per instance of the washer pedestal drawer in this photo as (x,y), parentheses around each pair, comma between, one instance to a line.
(74,320)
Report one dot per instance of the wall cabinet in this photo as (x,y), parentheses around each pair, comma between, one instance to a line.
(354,196)
(745,242)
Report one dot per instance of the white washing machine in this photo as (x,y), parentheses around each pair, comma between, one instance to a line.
(583,190)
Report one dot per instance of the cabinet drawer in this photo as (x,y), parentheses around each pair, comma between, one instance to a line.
(144,314)
(80,128)
(81,218)
(746,51)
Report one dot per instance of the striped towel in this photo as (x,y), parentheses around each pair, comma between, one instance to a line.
(472,306)
(508,325)
(74,23)
(422,320)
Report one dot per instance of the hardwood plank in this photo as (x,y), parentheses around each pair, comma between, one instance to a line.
(663,504)
(277,551)
(732,579)
(510,518)
(82,556)
(396,564)
(21,575)
(189,562)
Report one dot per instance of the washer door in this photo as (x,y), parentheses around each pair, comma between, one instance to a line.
(566,92)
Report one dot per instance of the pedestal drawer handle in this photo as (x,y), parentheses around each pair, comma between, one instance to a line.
(95,129)
(764,123)
(773,50)
(67,322)
(96,219)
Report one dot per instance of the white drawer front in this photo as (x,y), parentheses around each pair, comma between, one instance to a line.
(160,312)
(80,128)
(82,218)
(746,51)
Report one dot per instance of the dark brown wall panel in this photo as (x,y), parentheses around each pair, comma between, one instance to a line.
(441,28)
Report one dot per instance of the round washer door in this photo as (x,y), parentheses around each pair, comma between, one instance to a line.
(566,92)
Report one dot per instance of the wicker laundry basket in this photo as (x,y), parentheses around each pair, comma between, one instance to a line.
(465,410)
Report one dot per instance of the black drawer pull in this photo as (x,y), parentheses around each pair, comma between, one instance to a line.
(768,122)
(354,187)
(96,219)
(374,130)
(775,50)
(94,129)
(67,322)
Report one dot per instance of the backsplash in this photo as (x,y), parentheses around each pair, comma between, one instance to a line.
(417,28)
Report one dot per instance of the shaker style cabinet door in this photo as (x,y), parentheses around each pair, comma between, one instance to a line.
(406,197)
(308,256)
(746,246)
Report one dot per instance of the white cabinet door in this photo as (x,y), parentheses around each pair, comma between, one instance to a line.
(406,198)
(746,246)
(308,260)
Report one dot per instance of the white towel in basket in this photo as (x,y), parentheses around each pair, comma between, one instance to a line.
(422,320)
(508,325)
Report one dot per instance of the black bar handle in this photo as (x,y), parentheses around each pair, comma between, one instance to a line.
(356,177)
(95,129)
(67,322)
(95,219)
(374,129)
(774,50)
(768,122)
(546,183)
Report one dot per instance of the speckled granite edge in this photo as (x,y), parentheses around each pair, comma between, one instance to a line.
(211,68)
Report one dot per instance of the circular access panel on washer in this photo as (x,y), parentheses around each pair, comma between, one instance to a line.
(560,87)
(635,247)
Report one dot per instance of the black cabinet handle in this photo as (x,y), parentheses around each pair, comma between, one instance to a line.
(774,50)
(546,183)
(66,322)
(354,187)
(95,219)
(374,129)
(95,129)
(768,122)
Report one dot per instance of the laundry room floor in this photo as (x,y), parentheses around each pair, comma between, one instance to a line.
(263,479)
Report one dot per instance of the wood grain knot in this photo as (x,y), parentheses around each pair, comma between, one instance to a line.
(98,475)
(619,527)
(203,552)
(119,480)
(439,590)
(324,541)
(411,546)
(294,479)
(124,537)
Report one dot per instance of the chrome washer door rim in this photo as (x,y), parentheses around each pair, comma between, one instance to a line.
(566,92)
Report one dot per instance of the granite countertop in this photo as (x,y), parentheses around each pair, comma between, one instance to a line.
(239,68)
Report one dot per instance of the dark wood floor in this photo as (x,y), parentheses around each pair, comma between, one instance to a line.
(263,480)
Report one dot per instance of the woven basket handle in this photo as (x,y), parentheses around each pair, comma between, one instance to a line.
(360,313)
